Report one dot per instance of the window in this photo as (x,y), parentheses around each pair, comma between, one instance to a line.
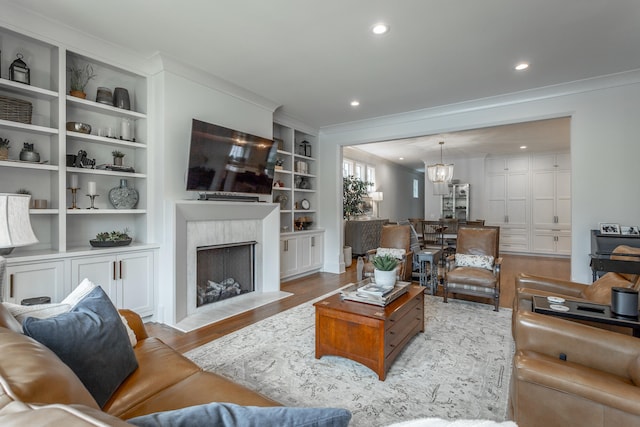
(415,189)
(359,170)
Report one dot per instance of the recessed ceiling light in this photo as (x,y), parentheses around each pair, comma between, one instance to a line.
(380,28)
(400,158)
(522,66)
(355,103)
(523,147)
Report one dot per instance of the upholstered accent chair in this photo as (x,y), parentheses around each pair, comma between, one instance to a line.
(394,237)
(475,267)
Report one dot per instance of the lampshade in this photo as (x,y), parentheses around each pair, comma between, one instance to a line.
(376,196)
(15,226)
(440,172)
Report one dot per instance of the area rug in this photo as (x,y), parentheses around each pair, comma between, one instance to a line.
(459,368)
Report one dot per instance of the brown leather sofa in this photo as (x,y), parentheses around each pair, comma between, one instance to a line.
(569,374)
(598,292)
(37,388)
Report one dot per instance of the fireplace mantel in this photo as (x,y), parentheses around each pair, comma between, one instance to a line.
(224,221)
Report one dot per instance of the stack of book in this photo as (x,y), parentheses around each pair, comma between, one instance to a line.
(369,292)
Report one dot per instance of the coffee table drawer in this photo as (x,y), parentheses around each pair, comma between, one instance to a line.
(404,327)
(417,302)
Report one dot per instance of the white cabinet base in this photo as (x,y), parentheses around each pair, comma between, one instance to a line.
(301,253)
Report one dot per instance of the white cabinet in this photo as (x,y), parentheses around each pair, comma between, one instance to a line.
(301,253)
(288,256)
(551,204)
(456,203)
(128,278)
(507,201)
(29,280)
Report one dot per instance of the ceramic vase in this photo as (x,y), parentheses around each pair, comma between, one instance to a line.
(121,98)
(385,278)
(123,197)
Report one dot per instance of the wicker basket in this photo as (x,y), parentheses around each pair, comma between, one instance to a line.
(15,110)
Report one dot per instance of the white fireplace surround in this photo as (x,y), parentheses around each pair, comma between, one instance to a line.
(206,223)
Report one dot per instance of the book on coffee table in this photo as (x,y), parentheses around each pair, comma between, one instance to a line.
(353,293)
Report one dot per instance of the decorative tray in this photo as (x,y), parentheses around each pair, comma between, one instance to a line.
(109,243)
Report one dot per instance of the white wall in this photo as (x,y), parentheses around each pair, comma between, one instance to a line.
(396,184)
(466,171)
(604,150)
(186,94)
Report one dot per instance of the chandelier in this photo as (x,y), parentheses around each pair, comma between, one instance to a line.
(440,173)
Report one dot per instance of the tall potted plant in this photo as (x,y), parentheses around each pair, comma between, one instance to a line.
(353,191)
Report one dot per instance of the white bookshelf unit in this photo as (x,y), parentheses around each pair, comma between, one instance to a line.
(64,233)
(295,188)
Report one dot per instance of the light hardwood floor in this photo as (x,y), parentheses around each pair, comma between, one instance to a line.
(318,284)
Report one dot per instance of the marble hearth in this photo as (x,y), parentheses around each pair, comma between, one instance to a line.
(207,223)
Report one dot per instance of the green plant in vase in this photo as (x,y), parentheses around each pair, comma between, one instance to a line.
(117,157)
(385,270)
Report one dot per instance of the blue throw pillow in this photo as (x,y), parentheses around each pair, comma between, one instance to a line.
(230,415)
(91,340)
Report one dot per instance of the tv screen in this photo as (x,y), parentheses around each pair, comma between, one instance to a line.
(226,160)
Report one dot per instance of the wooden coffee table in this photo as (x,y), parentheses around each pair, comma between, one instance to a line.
(368,334)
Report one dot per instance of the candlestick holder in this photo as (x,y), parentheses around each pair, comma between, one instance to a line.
(92,197)
(74,195)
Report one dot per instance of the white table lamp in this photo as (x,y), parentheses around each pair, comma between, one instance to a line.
(15,228)
(377,197)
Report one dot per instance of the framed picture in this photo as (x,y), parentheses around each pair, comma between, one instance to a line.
(630,230)
(609,228)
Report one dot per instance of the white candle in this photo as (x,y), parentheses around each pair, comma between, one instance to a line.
(92,188)
(74,181)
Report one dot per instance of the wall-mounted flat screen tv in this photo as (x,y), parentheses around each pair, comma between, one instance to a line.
(227,160)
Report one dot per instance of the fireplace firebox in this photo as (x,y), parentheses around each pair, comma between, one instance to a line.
(224,271)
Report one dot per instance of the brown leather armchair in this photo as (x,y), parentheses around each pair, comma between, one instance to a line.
(569,374)
(398,237)
(475,268)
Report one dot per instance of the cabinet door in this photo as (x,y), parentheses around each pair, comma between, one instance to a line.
(563,199)
(517,193)
(101,270)
(496,188)
(304,253)
(317,251)
(136,282)
(35,280)
(288,255)
(544,199)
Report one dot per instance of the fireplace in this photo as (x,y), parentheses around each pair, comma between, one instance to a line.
(224,271)
(201,224)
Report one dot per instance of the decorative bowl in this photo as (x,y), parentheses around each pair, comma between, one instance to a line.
(303,225)
(78,127)
(109,243)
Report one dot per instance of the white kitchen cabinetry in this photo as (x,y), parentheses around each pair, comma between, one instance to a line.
(128,278)
(301,253)
(507,203)
(551,204)
(35,279)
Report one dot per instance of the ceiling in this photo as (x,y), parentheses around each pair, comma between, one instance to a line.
(314,57)
(535,137)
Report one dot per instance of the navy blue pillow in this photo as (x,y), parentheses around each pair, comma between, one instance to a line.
(231,415)
(90,339)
